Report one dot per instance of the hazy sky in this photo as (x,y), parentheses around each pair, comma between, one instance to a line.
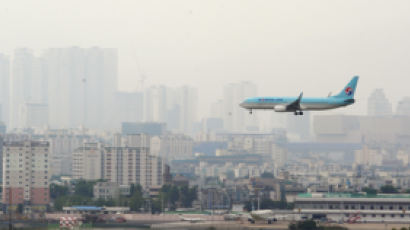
(282,46)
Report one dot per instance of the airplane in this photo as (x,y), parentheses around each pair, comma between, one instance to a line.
(267,215)
(191,220)
(299,104)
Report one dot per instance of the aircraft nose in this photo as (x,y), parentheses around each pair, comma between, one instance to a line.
(242,104)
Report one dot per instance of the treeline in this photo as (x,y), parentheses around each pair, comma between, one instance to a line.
(172,197)
(81,193)
(383,189)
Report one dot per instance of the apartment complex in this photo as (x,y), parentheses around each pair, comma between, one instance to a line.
(26,173)
(132,165)
(88,161)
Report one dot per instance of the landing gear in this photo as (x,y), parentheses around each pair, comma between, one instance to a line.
(298,113)
(250,111)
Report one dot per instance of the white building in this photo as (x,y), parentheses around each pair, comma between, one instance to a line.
(355,208)
(403,108)
(155,104)
(28,83)
(81,86)
(129,107)
(63,142)
(109,190)
(367,156)
(173,146)
(237,119)
(378,104)
(187,102)
(4,89)
(88,162)
(132,165)
(34,115)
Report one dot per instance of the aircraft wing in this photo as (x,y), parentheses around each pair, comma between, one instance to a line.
(295,105)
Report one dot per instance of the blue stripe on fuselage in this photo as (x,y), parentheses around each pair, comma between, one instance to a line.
(288,100)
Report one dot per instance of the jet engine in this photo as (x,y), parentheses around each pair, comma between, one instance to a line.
(280,108)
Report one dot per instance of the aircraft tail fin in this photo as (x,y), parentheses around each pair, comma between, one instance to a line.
(349,90)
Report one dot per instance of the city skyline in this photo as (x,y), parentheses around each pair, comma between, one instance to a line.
(74,85)
(283,47)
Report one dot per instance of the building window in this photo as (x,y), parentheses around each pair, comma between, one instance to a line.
(401,215)
(400,207)
(391,207)
(362,207)
(330,206)
(373,215)
(347,214)
(383,215)
(392,215)
(381,207)
(364,215)
(346,207)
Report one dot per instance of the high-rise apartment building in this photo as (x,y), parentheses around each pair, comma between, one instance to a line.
(188,101)
(28,83)
(155,104)
(26,173)
(34,115)
(129,107)
(81,86)
(298,127)
(132,165)
(88,162)
(62,144)
(4,88)
(237,119)
(403,108)
(378,104)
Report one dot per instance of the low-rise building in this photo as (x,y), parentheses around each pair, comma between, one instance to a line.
(110,190)
(355,207)
(95,210)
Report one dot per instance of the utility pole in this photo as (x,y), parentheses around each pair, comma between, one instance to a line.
(9,210)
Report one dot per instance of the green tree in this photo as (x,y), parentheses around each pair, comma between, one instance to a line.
(84,188)
(187,196)
(388,189)
(135,189)
(71,200)
(58,191)
(156,206)
(136,201)
(369,190)
(307,225)
(101,202)
(270,204)
(173,195)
